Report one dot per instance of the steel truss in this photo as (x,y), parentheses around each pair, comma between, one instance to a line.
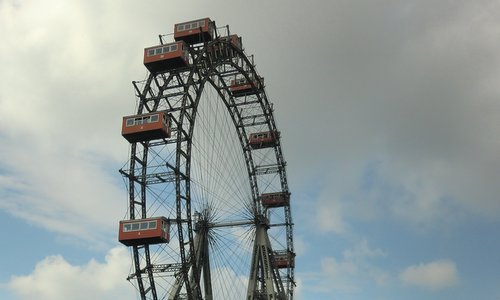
(166,177)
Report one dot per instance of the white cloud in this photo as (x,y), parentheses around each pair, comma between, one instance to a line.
(333,277)
(332,268)
(434,275)
(61,192)
(60,115)
(301,246)
(348,275)
(228,285)
(329,216)
(66,79)
(362,250)
(55,279)
(298,294)
(330,207)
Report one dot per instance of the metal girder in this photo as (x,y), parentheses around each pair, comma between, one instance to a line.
(152,178)
(267,169)
(160,268)
(264,281)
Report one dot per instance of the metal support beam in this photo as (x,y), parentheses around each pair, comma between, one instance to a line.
(263,281)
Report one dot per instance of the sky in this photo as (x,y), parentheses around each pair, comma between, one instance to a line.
(389,114)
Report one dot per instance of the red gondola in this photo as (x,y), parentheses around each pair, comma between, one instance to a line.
(265,139)
(166,57)
(275,199)
(241,87)
(235,40)
(144,231)
(283,259)
(194,32)
(222,50)
(146,127)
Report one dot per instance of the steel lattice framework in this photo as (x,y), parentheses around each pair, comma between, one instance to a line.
(207,180)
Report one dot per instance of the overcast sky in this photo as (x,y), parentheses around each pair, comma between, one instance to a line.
(389,113)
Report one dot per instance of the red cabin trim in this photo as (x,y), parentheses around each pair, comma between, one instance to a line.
(194,32)
(166,57)
(234,39)
(241,87)
(144,231)
(275,199)
(146,127)
(264,139)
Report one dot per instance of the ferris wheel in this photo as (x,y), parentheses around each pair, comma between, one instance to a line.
(209,204)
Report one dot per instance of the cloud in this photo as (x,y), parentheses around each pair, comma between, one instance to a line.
(330,219)
(61,143)
(332,268)
(301,246)
(60,191)
(353,273)
(435,275)
(55,279)
(331,204)
(362,250)
(333,277)
(61,139)
(416,103)
(228,285)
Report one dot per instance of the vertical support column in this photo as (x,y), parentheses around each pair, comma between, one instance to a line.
(260,285)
